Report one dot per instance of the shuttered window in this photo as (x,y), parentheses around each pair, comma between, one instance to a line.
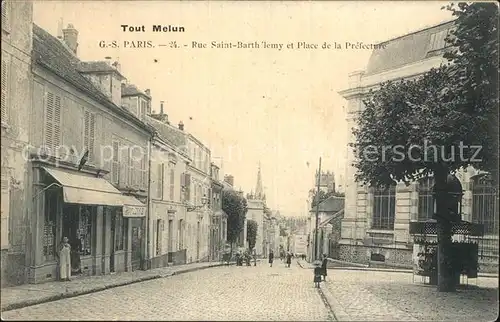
(144,172)
(142,110)
(172,182)
(115,167)
(53,119)
(5,204)
(131,166)
(89,133)
(5,86)
(160,180)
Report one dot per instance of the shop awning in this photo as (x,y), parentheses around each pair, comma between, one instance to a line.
(82,189)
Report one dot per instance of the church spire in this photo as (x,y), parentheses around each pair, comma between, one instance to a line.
(259,191)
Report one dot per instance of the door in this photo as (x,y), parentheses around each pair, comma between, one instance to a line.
(136,243)
(198,241)
(113,238)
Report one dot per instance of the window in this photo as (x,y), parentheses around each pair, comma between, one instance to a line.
(5,204)
(425,199)
(5,84)
(187,185)
(85,230)
(89,133)
(384,208)
(170,235)
(131,170)
(49,227)
(115,166)
(143,108)
(195,193)
(172,182)
(160,180)
(53,121)
(120,227)
(6,9)
(485,204)
(144,171)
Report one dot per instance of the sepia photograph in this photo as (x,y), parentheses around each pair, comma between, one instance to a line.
(167,160)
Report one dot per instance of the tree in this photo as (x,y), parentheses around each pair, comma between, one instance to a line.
(438,123)
(235,206)
(252,233)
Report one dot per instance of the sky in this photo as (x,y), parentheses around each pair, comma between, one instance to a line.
(277,107)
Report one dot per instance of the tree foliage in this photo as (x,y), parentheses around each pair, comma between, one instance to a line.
(440,122)
(235,206)
(252,233)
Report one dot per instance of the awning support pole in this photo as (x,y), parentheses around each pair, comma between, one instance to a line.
(43,190)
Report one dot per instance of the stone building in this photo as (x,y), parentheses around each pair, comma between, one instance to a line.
(218,222)
(256,203)
(198,214)
(88,164)
(376,222)
(169,162)
(17,26)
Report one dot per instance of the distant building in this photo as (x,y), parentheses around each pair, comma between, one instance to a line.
(256,204)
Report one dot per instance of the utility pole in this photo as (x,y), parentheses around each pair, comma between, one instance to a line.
(317,212)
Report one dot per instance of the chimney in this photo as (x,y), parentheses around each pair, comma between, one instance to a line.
(161,107)
(60,28)
(229,179)
(108,60)
(70,35)
(181,126)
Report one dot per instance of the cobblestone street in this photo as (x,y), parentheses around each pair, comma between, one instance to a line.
(392,296)
(221,293)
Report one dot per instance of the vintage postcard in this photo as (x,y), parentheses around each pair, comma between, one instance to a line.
(249,160)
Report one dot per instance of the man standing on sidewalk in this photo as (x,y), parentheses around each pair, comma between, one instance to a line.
(324,269)
(271,258)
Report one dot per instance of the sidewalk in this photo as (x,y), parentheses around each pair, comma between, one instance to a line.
(31,294)
(307,265)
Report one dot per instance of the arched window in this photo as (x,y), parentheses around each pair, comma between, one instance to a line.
(485,203)
(384,208)
(425,199)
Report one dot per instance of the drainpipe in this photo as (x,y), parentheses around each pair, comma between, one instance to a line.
(148,213)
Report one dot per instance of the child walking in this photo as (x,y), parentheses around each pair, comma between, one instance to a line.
(317,274)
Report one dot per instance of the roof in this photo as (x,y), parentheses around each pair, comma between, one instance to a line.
(331,204)
(50,53)
(132,90)
(407,49)
(332,217)
(168,133)
(97,66)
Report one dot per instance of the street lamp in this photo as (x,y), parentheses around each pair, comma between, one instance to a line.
(204,202)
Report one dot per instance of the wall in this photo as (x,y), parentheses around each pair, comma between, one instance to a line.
(16,60)
(256,212)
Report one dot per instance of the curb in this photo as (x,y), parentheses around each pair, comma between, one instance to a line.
(66,295)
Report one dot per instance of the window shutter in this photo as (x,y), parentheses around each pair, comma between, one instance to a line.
(160,180)
(5,211)
(5,84)
(172,184)
(115,167)
(187,183)
(92,131)
(6,15)
(49,117)
(124,173)
(57,122)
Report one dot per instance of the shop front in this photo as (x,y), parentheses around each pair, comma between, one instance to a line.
(102,225)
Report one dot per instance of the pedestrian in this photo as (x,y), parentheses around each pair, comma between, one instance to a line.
(64,260)
(254,257)
(288,259)
(317,274)
(324,269)
(271,258)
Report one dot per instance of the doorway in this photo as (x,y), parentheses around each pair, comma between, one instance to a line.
(113,237)
(198,241)
(136,256)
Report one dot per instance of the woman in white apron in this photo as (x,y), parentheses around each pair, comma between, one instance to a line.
(64,260)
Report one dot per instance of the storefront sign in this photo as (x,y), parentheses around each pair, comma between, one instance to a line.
(134,211)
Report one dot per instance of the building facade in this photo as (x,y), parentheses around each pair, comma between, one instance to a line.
(169,162)
(218,222)
(377,221)
(88,164)
(17,34)
(199,214)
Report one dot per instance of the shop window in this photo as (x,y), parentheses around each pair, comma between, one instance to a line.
(85,231)
(49,227)
(120,230)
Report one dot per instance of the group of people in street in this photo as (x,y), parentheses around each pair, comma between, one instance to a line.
(287,257)
(246,257)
